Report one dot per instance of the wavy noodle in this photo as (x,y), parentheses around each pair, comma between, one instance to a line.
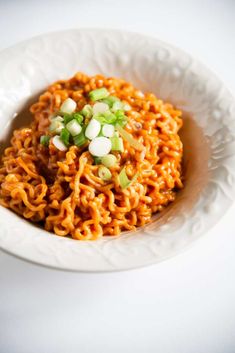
(63,190)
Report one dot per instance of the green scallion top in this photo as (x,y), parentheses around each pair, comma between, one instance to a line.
(99,93)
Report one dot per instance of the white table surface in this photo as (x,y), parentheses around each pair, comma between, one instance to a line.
(183,305)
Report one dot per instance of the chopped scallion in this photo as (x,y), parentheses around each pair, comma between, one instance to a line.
(78,117)
(67,118)
(117,144)
(56,118)
(93,129)
(99,117)
(58,143)
(128,137)
(44,140)
(121,118)
(98,94)
(124,181)
(100,146)
(109,161)
(56,127)
(122,122)
(105,118)
(101,134)
(87,111)
(110,118)
(120,114)
(68,106)
(108,130)
(104,173)
(100,107)
(73,127)
(117,106)
(64,136)
(80,139)
(110,100)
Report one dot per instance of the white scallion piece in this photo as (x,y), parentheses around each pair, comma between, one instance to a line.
(74,127)
(87,111)
(100,146)
(56,127)
(117,106)
(100,107)
(58,143)
(68,106)
(104,173)
(108,130)
(56,118)
(93,129)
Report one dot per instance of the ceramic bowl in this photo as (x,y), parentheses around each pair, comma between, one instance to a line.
(151,65)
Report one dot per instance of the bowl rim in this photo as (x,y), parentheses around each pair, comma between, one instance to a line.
(128,32)
(174,48)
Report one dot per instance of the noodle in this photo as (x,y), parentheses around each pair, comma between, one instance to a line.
(62,189)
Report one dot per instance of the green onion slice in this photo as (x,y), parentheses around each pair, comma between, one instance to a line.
(104,173)
(74,127)
(124,181)
(78,117)
(120,114)
(109,160)
(128,137)
(122,122)
(108,130)
(56,127)
(64,136)
(98,94)
(117,144)
(121,118)
(117,106)
(67,118)
(68,106)
(105,118)
(87,111)
(44,140)
(110,118)
(99,117)
(56,118)
(80,139)
(110,100)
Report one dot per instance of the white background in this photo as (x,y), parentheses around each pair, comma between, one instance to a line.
(184,305)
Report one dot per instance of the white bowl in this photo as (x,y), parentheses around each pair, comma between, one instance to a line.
(208,136)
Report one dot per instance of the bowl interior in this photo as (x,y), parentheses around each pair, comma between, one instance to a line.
(195,160)
(207,135)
